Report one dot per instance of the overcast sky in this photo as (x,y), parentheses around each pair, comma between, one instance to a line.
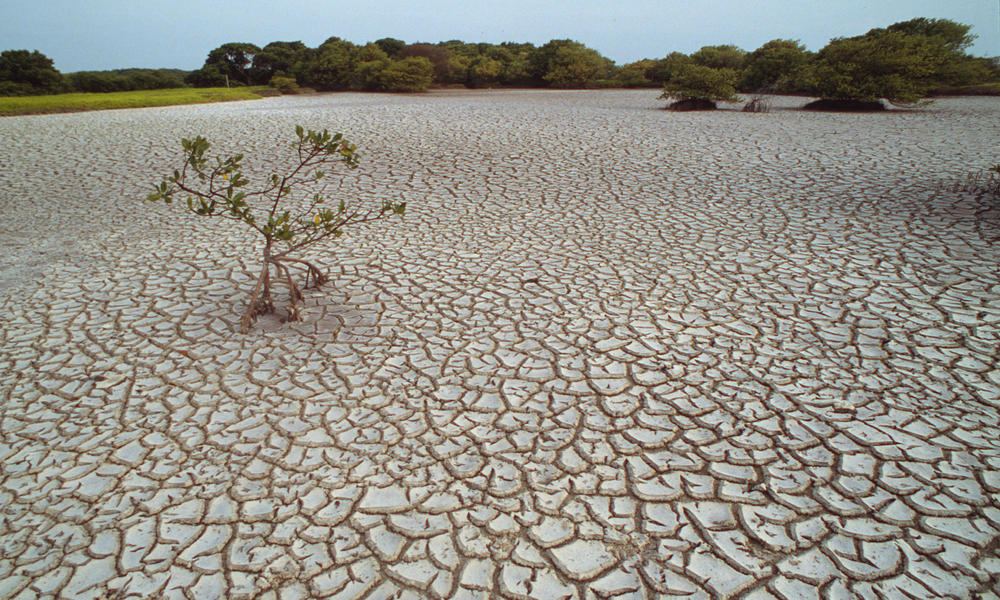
(112,34)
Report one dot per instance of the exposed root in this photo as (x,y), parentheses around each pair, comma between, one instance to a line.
(260,299)
(758,104)
(318,277)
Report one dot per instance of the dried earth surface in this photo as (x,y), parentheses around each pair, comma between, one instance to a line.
(610,352)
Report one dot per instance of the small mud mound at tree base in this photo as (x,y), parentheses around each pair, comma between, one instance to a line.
(692,104)
(833,105)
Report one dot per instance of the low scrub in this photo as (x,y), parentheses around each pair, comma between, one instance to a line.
(285,85)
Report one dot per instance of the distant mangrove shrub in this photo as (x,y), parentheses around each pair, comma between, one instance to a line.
(412,74)
(24,73)
(125,80)
(699,87)
(285,85)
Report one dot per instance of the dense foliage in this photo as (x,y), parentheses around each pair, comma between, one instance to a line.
(700,86)
(24,73)
(125,80)
(393,65)
(902,62)
(778,66)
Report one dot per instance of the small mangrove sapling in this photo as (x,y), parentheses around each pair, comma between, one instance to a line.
(288,222)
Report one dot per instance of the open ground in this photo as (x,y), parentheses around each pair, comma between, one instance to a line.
(610,352)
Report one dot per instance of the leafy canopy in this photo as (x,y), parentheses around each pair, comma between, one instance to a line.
(233,59)
(955,35)
(411,74)
(25,73)
(720,57)
(774,66)
(698,82)
(882,64)
(900,63)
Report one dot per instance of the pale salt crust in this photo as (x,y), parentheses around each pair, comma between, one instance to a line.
(610,352)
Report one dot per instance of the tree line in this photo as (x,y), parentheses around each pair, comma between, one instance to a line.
(27,73)
(901,62)
(389,64)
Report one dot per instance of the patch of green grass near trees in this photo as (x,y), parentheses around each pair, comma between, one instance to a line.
(55,103)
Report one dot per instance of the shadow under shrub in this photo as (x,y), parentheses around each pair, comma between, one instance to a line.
(845,105)
(697,87)
(689,104)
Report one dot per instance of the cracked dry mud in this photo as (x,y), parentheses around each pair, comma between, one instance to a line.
(610,352)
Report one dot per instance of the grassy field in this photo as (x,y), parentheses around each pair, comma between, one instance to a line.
(30,105)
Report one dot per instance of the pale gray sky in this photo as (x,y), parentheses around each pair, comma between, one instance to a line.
(110,34)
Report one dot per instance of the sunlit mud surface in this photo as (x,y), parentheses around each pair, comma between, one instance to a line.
(610,352)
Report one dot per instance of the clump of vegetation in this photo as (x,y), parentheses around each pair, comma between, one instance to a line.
(569,64)
(899,64)
(698,87)
(285,85)
(287,223)
(411,74)
(124,80)
(777,66)
(24,73)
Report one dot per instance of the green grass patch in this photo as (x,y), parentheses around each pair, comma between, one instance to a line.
(31,105)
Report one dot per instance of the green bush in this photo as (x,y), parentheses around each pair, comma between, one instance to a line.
(667,67)
(484,73)
(720,57)
(123,80)
(573,65)
(637,74)
(24,73)
(285,85)
(777,66)
(277,58)
(887,64)
(900,64)
(413,74)
(697,82)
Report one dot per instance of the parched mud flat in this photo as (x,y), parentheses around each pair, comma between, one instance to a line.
(610,352)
